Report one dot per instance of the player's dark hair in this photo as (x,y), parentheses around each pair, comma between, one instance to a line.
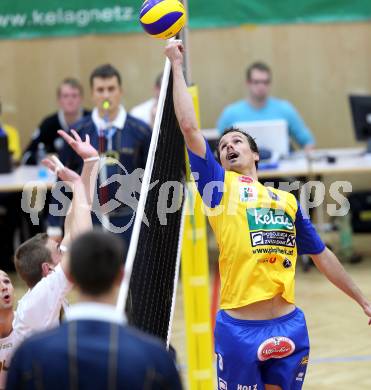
(253,146)
(95,261)
(258,66)
(30,256)
(105,71)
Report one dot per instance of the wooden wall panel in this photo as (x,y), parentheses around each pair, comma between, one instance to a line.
(315,67)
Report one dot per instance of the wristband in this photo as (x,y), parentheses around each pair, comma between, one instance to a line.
(95,158)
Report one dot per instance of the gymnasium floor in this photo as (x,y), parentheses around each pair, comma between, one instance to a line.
(340,337)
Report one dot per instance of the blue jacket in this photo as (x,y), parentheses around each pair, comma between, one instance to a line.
(91,354)
(130,147)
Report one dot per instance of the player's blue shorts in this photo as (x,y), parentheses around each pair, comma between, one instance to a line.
(253,353)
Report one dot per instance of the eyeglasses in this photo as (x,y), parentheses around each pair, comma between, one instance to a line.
(256,82)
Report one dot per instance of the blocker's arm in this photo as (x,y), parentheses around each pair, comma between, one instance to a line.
(183,103)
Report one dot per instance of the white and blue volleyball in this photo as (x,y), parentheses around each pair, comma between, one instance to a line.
(162,18)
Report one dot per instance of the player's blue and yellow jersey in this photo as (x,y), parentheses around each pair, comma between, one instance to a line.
(259,231)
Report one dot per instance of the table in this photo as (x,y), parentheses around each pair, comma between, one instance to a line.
(23,175)
(317,163)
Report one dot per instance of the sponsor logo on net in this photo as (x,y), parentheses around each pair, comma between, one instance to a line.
(275,348)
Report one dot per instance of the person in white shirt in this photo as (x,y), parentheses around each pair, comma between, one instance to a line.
(41,262)
(146,111)
(6,319)
(94,348)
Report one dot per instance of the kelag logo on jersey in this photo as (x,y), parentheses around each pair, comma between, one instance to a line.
(270,227)
(269,219)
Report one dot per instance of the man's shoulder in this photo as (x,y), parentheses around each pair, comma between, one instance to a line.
(45,339)
(281,103)
(50,120)
(84,124)
(86,112)
(137,126)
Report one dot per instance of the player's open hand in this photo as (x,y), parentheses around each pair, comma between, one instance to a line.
(64,173)
(83,148)
(174,51)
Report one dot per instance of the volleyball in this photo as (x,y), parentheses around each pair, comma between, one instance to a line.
(162,18)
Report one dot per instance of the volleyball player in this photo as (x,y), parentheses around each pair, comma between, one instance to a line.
(41,264)
(261,339)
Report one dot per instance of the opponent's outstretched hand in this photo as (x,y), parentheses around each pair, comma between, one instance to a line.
(83,148)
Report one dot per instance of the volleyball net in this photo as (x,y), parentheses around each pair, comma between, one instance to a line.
(151,269)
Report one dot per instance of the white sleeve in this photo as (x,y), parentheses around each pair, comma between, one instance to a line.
(40,308)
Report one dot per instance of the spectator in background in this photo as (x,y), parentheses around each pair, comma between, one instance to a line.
(146,111)
(119,138)
(260,106)
(69,98)
(94,349)
(12,134)
(10,214)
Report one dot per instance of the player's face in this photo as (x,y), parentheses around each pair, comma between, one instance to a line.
(236,154)
(6,291)
(259,84)
(69,99)
(106,89)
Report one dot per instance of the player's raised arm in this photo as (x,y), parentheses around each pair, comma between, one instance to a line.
(78,219)
(183,103)
(90,157)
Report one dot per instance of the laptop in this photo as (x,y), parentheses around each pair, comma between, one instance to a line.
(272,135)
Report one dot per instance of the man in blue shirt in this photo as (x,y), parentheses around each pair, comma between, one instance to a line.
(259,106)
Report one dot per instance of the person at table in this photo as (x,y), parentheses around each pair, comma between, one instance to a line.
(258,105)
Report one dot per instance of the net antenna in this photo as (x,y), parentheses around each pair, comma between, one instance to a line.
(184,36)
(150,278)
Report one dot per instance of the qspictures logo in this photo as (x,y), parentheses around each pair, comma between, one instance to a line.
(270,227)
